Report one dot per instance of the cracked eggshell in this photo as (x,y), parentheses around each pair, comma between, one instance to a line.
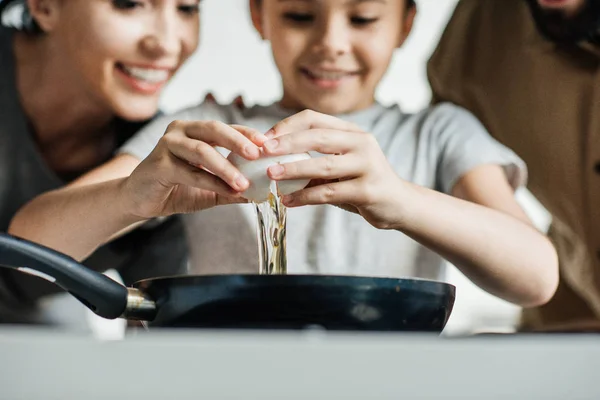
(256,172)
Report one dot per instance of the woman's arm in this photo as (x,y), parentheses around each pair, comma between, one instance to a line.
(115,197)
(82,216)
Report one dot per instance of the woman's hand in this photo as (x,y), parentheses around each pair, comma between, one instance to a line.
(185,173)
(353,173)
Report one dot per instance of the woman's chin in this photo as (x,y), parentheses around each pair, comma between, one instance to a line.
(137,110)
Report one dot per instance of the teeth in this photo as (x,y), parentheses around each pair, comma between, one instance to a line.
(328,75)
(147,74)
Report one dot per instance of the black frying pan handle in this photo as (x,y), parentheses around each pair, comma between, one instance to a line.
(99,293)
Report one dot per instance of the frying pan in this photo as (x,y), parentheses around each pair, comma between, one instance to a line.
(244,301)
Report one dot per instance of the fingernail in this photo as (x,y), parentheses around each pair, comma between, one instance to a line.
(276,169)
(270,133)
(242,182)
(252,151)
(288,199)
(271,144)
(261,138)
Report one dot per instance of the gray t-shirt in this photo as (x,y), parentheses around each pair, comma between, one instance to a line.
(433,148)
(24,174)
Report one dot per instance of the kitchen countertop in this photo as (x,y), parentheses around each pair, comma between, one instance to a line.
(45,364)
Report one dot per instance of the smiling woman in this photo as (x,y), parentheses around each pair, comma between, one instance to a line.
(77,79)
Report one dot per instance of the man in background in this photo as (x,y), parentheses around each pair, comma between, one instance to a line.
(530,71)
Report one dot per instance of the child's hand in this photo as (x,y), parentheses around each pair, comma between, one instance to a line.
(185,173)
(354,173)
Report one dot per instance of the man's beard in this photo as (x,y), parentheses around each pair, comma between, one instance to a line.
(556,26)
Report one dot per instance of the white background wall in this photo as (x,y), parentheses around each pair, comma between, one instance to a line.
(232,61)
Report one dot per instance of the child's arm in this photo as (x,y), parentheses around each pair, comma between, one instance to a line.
(488,237)
(115,197)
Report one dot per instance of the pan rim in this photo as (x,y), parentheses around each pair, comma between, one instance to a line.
(242,279)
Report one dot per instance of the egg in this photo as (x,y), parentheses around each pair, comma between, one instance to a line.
(260,183)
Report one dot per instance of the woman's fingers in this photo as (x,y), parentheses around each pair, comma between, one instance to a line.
(193,141)
(240,140)
(308,119)
(202,155)
(255,136)
(188,175)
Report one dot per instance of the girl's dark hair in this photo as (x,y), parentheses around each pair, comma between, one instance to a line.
(409,3)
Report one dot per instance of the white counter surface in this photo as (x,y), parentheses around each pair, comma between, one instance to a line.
(41,364)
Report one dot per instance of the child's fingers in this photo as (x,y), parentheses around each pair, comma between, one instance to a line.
(308,119)
(317,182)
(324,141)
(343,192)
(199,153)
(328,167)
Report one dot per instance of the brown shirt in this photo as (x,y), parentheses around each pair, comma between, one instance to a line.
(543,101)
